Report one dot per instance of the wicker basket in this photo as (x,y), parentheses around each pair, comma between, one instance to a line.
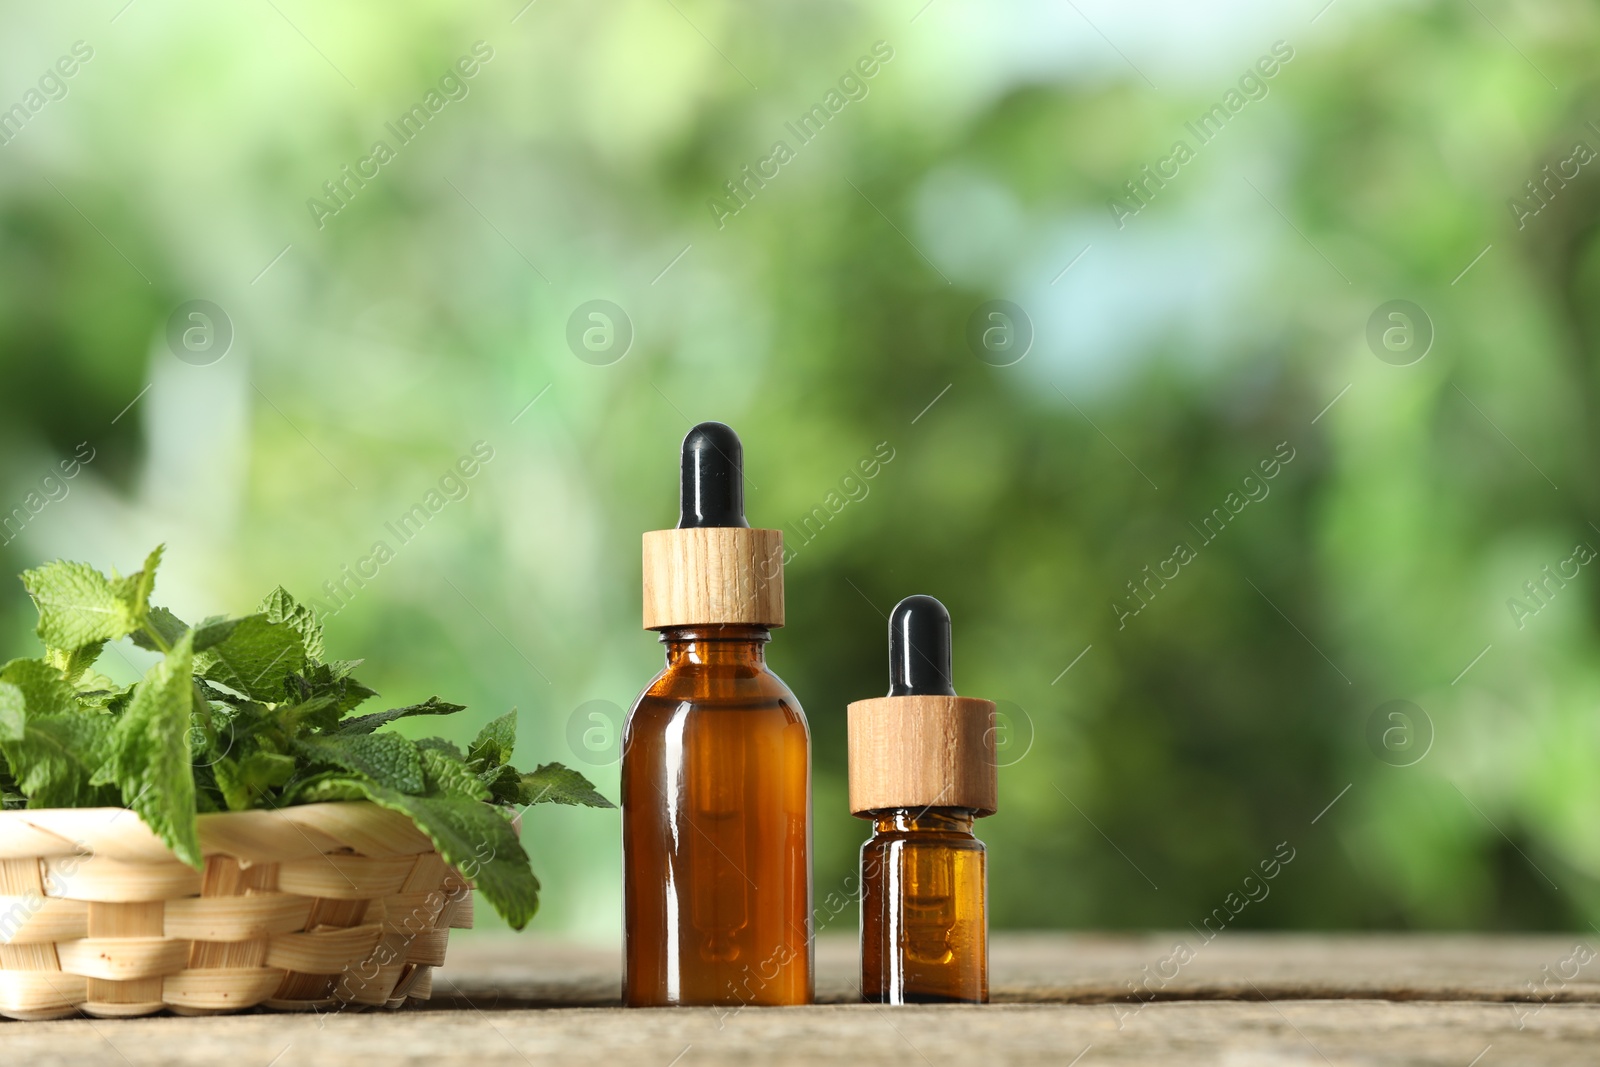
(319,906)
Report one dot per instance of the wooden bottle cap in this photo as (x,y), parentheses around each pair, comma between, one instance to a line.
(922,751)
(713,575)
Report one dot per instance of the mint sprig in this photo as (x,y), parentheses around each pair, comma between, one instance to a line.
(245,713)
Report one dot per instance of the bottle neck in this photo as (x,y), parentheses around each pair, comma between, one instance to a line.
(715,644)
(924,820)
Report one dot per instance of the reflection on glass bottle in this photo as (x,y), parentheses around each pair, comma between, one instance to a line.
(718,904)
(929,904)
(924,934)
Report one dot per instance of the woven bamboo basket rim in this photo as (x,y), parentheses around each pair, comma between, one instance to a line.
(315,906)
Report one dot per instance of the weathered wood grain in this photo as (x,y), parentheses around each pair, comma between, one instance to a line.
(1241,1000)
(1097,969)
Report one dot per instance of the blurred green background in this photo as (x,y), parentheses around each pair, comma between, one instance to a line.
(834,312)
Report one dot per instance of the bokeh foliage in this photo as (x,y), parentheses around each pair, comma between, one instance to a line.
(822,319)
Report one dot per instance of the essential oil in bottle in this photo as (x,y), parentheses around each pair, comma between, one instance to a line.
(716,765)
(922,767)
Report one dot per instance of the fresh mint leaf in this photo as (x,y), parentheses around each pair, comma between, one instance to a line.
(10,795)
(149,757)
(134,590)
(279,606)
(81,609)
(220,730)
(207,793)
(555,784)
(168,627)
(215,696)
(446,775)
(213,631)
(244,781)
(13,713)
(325,679)
(352,694)
(330,785)
(492,747)
(476,839)
(43,687)
(95,690)
(73,663)
(365,724)
(387,759)
(254,660)
(504,785)
(55,759)
(78,607)
(318,713)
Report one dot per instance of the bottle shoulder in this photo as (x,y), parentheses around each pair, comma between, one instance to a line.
(688,689)
(718,681)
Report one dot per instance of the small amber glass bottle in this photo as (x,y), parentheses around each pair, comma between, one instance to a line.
(716,767)
(922,768)
(924,934)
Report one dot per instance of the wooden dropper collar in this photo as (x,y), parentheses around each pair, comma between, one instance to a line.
(713,570)
(922,746)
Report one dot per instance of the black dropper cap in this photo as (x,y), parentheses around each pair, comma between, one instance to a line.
(712,485)
(919,648)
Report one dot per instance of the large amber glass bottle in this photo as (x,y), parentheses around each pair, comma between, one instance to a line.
(716,828)
(716,767)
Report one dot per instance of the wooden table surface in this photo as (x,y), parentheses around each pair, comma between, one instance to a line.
(1241,1000)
